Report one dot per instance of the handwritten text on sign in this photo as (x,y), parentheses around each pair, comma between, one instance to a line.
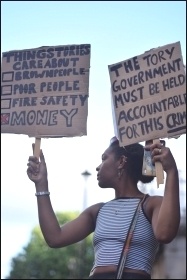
(149,95)
(44,91)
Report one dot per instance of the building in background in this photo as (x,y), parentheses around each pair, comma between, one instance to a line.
(171,259)
(170,262)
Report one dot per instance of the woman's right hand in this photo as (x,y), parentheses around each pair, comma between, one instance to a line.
(37,171)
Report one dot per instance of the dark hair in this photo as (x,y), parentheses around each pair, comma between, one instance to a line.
(134,154)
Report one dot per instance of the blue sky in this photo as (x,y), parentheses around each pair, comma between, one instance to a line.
(116,30)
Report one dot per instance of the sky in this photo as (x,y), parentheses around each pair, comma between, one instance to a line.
(116,31)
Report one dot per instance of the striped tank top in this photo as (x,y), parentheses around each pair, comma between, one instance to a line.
(112,225)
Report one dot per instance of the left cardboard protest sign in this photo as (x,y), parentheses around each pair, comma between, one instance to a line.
(44,91)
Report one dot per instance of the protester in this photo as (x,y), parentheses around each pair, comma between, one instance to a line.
(157,222)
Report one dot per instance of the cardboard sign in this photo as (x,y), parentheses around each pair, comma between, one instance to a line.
(149,95)
(44,91)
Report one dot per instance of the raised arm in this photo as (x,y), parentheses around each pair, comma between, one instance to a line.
(166,210)
(56,236)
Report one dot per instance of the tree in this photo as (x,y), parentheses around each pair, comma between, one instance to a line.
(38,261)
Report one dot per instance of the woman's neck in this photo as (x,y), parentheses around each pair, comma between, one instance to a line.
(127,188)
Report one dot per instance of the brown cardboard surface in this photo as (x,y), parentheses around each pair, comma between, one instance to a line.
(149,95)
(44,91)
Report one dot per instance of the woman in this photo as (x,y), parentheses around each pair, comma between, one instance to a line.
(120,169)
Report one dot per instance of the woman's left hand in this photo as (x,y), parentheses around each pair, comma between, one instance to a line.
(163,154)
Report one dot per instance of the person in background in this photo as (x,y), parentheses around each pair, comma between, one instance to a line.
(157,222)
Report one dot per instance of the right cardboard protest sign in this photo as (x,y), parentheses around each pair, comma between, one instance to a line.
(149,95)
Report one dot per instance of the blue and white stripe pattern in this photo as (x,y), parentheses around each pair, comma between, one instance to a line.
(112,225)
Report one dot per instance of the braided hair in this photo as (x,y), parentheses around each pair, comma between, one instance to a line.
(134,154)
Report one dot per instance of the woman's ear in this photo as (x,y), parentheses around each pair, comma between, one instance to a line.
(123,160)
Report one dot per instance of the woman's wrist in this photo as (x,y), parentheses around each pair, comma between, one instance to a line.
(173,171)
(42,193)
(41,186)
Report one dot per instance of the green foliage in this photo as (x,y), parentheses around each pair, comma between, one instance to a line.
(38,261)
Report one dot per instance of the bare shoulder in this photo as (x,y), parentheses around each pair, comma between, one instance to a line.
(151,203)
(94,210)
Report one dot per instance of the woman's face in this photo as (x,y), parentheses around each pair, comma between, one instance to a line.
(107,170)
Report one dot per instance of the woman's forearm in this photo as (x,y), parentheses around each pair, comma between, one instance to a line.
(47,219)
(169,213)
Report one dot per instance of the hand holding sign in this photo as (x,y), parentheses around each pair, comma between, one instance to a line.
(150,166)
(161,158)
(37,171)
